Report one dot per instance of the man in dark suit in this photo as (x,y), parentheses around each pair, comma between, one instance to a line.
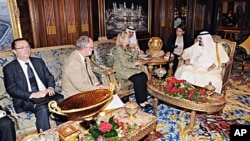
(20,86)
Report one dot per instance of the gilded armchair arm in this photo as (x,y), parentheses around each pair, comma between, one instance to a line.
(101,68)
(226,70)
(104,74)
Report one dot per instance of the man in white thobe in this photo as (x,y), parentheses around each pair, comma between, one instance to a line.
(132,36)
(203,62)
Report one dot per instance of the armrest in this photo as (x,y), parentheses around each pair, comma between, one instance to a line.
(6,103)
(105,75)
(101,69)
(226,70)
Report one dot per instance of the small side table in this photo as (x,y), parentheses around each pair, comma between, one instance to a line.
(156,61)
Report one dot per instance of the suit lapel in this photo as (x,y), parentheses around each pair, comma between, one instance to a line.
(20,75)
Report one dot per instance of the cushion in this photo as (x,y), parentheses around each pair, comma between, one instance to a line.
(103,53)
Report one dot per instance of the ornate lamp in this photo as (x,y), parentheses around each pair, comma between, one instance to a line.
(246,45)
(155,45)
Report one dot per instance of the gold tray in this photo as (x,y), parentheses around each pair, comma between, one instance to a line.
(214,104)
(83,105)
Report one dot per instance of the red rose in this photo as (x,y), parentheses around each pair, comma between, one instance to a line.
(105,126)
(191,92)
(191,97)
(175,90)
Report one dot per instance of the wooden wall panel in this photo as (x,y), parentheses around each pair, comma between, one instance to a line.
(49,23)
(71,14)
(45,23)
(85,19)
(25,21)
(162,22)
(87,15)
(59,22)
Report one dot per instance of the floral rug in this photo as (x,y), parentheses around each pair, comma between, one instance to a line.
(173,123)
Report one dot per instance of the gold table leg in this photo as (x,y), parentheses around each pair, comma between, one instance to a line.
(155,106)
(192,120)
(150,68)
(151,136)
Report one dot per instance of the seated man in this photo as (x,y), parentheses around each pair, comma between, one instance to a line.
(77,75)
(203,62)
(133,40)
(28,77)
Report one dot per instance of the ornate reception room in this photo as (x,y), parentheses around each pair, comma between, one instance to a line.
(193,54)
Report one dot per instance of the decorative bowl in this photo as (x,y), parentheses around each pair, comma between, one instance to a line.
(83,105)
(160,72)
(166,57)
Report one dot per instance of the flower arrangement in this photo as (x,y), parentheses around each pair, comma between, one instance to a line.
(111,130)
(182,89)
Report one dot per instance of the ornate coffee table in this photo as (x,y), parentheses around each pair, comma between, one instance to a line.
(215,103)
(146,126)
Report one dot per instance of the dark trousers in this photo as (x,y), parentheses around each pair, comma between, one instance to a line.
(140,86)
(7,129)
(42,115)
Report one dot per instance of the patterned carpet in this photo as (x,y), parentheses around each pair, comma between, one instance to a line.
(173,123)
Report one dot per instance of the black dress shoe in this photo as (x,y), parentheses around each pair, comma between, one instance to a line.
(125,99)
(87,124)
(59,118)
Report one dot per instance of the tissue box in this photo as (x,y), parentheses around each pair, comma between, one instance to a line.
(68,133)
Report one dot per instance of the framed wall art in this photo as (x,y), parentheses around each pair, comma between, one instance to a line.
(233,14)
(116,15)
(9,23)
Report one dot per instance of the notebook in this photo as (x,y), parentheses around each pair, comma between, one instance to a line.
(46,99)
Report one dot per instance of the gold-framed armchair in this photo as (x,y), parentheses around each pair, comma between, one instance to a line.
(229,47)
(102,65)
(244,54)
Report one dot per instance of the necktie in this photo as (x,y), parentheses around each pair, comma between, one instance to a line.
(32,79)
(86,65)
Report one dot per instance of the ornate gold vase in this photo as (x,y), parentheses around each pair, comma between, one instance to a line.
(131,108)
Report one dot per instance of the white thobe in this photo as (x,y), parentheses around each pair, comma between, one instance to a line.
(196,73)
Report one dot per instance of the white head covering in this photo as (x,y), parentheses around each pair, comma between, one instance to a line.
(204,55)
(133,39)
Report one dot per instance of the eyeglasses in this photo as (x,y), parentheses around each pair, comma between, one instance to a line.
(21,48)
(179,30)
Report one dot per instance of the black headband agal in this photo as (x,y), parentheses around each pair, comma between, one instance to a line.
(205,33)
(130,28)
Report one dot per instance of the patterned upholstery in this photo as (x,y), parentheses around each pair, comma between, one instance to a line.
(103,53)
(103,58)
(54,58)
